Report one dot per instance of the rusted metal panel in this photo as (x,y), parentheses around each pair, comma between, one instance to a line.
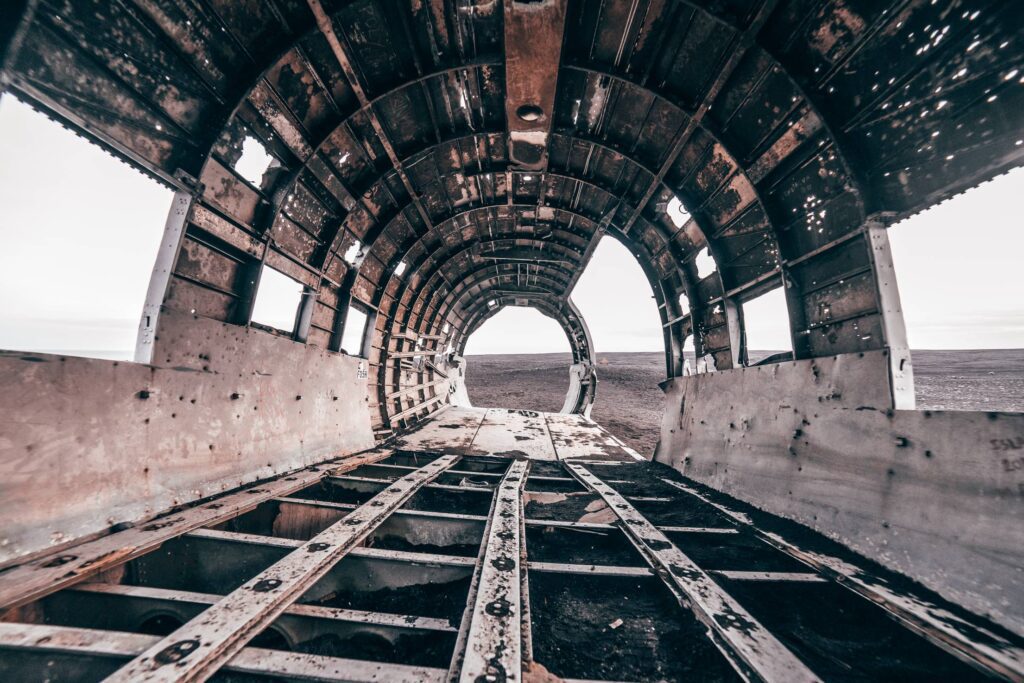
(189,297)
(196,261)
(841,300)
(533,47)
(218,226)
(52,75)
(229,193)
(114,411)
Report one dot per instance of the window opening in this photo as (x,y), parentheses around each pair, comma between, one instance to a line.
(677,213)
(766,325)
(277,300)
(355,330)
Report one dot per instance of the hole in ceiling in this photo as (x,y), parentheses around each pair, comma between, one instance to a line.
(254,162)
(705,263)
(353,253)
(677,212)
(400,268)
(530,113)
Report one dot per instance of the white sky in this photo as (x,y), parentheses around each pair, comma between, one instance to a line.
(959,270)
(80,232)
(277,300)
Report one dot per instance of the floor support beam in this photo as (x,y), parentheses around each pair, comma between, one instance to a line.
(490,641)
(30,581)
(972,644)
(83,642)
(744,641)
(195,651)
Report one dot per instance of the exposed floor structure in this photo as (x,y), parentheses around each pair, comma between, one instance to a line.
(461,552)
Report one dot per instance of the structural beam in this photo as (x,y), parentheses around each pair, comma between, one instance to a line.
(163,271)
(490,644)
(970,643)
(533,48)
(24,583)
(62,640)
(195,651)
(745,642)
(326,26)
(740,46)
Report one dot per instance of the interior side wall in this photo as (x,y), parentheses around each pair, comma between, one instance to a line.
(936,496)
(91,443)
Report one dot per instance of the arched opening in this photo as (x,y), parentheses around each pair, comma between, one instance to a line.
(615,296)
(518,359)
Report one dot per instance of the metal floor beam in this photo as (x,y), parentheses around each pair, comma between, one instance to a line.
(416,584)
(196,650)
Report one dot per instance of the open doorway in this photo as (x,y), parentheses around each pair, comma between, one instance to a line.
(518,359)
(615,297)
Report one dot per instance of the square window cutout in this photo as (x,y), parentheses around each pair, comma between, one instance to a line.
(352,335)
(277,300)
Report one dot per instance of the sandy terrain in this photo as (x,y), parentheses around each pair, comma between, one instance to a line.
(629,402)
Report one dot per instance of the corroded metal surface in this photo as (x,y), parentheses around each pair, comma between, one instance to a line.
(492,647)
(784,127)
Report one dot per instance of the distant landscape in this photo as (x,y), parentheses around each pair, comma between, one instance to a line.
(629,402)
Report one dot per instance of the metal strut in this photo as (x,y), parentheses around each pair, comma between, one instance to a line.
(197,649)
(744,641)
(980,647)
(491,637)
(33,580)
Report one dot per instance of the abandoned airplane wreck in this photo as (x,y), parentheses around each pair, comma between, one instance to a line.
(251,503)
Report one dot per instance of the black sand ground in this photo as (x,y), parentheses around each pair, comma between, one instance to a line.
(629,402)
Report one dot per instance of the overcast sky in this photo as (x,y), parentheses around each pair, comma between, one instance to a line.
(80,232)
